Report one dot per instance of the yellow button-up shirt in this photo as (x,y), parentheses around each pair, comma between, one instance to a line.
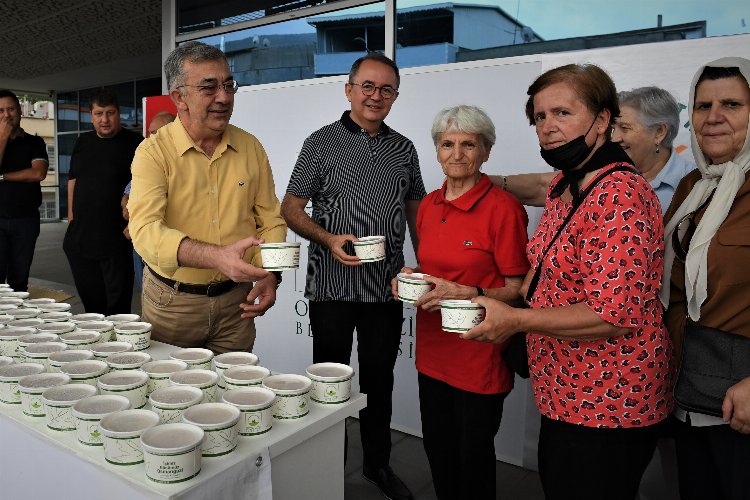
(178,191)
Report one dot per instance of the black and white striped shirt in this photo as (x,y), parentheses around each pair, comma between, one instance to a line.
(358,185)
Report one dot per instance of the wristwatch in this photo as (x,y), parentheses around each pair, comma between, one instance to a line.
(480,291)
(278,278)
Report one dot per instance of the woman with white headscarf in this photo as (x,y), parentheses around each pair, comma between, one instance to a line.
(707,265)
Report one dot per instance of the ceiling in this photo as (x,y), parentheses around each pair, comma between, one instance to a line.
(49,45)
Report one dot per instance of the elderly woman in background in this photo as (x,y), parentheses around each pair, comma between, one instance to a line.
(472,238)
(599,355)
(646,128)
(707,288)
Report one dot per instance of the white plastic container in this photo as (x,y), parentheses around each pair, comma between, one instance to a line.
(128,383)
(4,319)
(170,402)
(160,371)
(36,302)
(255,405)
(17,295)
(40,353)
(55,316)
(24,312)
(121,435)
(280,256)
(460,316)
(25,322)
(370,248)
(291,395)
(34,338)
(103,350)
(331,382)
(84,317)
(81,339)
(32,387)
(58,404)
(195,357)
(205,380)
(57,327)
(10,301)
(172,452)
(244,376)
(9,340)
(412,286)
(137,333)
(85,372)
(127,360)
(223,362)
(219,422)
(106,328)
(9,377)
(122,318)
(5,361)
(89,411)
(55,307)
(59,359)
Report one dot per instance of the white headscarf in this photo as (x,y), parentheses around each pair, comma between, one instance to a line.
(724,180)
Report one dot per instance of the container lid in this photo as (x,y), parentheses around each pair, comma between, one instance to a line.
(86,367)
(57,327)
(164,366)
(246,373)
(81,336)
(8,307)
(236,358)
(192,354)
(45,348)
(194,377)
(128,358)
(287,383)
(122,318)
(133,327)
(6,360)
(369,240)
(99,326)
(40,300)
(249,396)
(16,331)
(283,244)
(329,372)
(68,393)
(4,318)
(10,300)
(38,338)
(70,356)
(18,295)
(100,405)
(55,306)
(210,415)
(111,347)
(16,371)
(24,312)
(176,395)
(42,381)
(25,322)
(55,316)
(128,422)
(124,378)
(78,318)
(460,304)
(412,278)
(172,438)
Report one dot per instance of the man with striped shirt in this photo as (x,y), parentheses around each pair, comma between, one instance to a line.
(364,180)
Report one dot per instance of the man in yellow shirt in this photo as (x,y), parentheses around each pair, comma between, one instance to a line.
(202,199)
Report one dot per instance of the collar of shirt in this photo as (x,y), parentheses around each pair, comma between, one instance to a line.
(184,143)
(669,174)
(470,198)
(352,126)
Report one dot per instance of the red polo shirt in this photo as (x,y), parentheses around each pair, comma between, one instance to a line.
(474,240)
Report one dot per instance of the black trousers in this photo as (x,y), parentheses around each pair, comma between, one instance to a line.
(580,463)
(458,429)
(378,328)
(17,241)
(104,285)
(712,462)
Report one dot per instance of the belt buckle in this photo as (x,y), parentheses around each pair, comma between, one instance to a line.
(213,289)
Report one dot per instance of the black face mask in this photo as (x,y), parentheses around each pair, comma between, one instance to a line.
(569,155)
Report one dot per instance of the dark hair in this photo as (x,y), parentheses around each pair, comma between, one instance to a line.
(104,98)
(7,93)
(717,73)
(377,58)
(193,51)
(592,84)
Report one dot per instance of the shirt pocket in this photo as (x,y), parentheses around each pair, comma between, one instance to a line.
(731,257)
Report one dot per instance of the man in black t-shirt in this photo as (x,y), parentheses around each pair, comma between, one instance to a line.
(23,165)
(98,253)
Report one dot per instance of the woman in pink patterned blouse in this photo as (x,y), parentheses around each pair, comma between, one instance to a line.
(599,355)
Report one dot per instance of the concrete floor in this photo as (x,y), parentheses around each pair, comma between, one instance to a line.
(50,270)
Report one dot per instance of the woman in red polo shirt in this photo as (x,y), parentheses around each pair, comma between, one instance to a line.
(472,238)
(599,354)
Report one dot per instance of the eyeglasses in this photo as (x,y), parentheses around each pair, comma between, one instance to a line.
(684,231)
(368,89)
(230,87)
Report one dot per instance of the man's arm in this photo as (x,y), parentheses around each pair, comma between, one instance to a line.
(71,188)
(530,189)
(293,211)
(36,173)
(412,207)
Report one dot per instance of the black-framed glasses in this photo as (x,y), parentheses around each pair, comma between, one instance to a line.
(368,89)
(684,230)
(230,87)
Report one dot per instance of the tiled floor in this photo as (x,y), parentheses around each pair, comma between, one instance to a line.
(50,270)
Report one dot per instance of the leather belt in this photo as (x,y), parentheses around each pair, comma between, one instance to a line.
(210,290)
